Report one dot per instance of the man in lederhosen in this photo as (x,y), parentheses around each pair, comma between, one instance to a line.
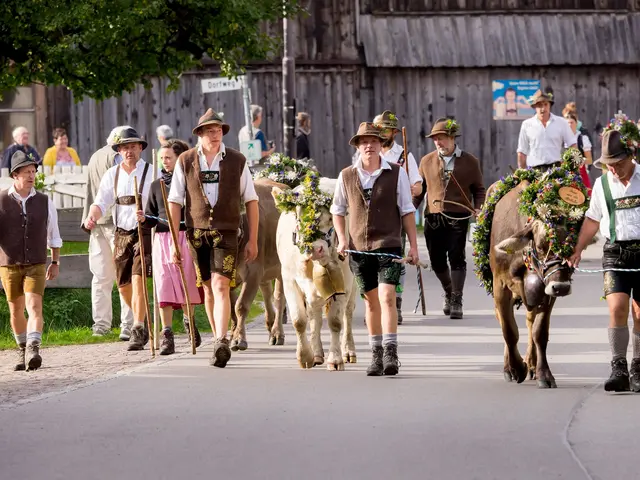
(393,152)
(455,190)
(117,192)
(615,210)
(214,184)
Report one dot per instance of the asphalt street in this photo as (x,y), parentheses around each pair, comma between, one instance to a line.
(448,415)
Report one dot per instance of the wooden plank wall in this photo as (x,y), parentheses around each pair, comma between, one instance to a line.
(433,6)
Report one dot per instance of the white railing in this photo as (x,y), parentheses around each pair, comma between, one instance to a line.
(64,185)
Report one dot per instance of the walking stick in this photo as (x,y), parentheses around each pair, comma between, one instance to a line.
(421,299)
(174,236)
(145,292)
(156,308)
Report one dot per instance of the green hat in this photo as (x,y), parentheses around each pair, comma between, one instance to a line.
(386,119)
(365,129)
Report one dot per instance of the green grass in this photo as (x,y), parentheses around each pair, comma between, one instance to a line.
(74,248)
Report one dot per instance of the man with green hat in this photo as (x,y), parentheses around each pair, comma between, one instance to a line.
(30,225)
(614,209)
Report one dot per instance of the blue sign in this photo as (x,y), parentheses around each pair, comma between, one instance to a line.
(510,99)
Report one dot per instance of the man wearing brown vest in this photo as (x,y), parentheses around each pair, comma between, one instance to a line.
(214,184)
(30,224)
(455,192)
(117,194)
(364,191)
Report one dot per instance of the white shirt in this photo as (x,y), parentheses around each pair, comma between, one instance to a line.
(403,195)
(393,156)
(106,197)
(450,161)
(179,187)
(53,233)
(543,145)
(627,221)
(586,143)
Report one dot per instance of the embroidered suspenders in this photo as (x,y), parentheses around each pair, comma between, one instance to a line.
(126,199)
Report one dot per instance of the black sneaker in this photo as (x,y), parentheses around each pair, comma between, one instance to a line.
(167,347)
(196,332)
(33,360)
(390,359)
(136,342)
(635,375)
(619,379)
(221,353)
(20,363)
(376,368)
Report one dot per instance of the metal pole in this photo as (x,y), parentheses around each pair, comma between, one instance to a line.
(288,92)
(156,307)
(246,98)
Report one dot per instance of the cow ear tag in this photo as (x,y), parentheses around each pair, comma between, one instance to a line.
(571,195)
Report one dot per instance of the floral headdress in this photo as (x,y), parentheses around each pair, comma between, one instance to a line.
(283,169)
(629,133)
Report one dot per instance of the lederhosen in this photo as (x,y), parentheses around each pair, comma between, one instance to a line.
(127,249)
(620,254)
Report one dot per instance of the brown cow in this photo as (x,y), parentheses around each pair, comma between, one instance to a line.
(261,273)
(511,233)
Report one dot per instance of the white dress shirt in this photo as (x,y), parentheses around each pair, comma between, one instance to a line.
(106,197)
(53,232)
(627,221)
(393,156)
(179,187)
(543,145)
(367,180)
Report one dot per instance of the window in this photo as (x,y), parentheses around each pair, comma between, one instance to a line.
(17,109)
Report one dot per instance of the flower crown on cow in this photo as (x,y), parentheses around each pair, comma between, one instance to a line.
(629,133)
(283,169)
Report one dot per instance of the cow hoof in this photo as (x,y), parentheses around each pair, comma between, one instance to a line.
(532,375)
(272,340)
(335,367)
(507,376)
(280,340)
(350,358)
(234,345)
(547,384)
(318,360)
(243,345)
(306,360)
(519,375)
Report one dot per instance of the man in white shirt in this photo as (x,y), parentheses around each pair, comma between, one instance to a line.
(117,191)
(214,184)
(543,135)
(615,210)
(30,225)
(366,191)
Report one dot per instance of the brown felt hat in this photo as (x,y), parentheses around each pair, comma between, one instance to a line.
(540,96)
(211,118)
(365,129)
(386,119)
(613,149)
(446,126)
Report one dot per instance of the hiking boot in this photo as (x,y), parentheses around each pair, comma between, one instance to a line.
(145,333)
(456,306)
(446,305)
(635,375)
(619,379)
(168,346)
(376,368)
(125,333)
(32,357)
(390,359)
(445,281)
(136,342)
(196,332)
(399,309)
(221,353)
(99,332)
(20,363)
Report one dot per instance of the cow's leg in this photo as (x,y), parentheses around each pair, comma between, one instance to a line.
(514,366)
(335,317)
(277,331)
(315,314)
(233,300)
(297,309)
(541,339)
(531,358)
(243,307)
(269,311)
(348,345)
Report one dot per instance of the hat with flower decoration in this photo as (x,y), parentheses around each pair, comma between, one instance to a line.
(445,126)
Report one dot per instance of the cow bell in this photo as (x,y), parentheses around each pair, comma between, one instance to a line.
(328,280)
(533,289)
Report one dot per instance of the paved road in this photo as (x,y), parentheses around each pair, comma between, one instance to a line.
(448,415)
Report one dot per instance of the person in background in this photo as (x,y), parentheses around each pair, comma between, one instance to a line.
(30,223)
(243,134)
(166,273)
(302,139)
(21,138)
(164,134)
(61,154)
(582,141)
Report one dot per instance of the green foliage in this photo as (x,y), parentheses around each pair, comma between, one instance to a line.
(283,169)
(101,48)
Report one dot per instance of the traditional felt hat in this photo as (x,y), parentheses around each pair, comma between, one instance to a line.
(445,126)
(211,118)
(21,159)
(540,96)
(127,135)
(386,119)
(613,149)
(365,129)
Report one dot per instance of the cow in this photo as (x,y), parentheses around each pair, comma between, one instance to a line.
(262,273)
(514,283)
(305,301)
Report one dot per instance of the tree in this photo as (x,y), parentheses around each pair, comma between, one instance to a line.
(100,48)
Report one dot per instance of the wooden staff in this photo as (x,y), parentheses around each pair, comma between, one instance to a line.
(156,307)
(174,236)
(419,272)
(145,292)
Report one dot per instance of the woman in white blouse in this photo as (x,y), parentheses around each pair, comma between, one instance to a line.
(583,143)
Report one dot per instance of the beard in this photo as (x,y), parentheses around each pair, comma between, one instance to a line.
(387,142)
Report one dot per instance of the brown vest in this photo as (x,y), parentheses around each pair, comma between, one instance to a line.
(377,223)
(24,239)
(225,214)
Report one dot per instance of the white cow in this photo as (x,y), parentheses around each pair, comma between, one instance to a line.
(305,302)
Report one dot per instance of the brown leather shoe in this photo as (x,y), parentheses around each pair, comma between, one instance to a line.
(32,356)
(168,346)
(136,342)
(221,353)
(20,363)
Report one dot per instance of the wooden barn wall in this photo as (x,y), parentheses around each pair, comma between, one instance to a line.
(331,96)
(463,6)
(419,96)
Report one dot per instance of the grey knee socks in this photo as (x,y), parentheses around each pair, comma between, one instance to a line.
(375,340)
(619,341)
(21,338)
(34,338)
(389,339)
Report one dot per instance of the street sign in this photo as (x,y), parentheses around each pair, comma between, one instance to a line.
(252,150)
(221,84)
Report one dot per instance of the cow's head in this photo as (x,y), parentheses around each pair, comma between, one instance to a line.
(532,242)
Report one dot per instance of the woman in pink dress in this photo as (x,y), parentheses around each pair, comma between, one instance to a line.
(166,275)
(570,114)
